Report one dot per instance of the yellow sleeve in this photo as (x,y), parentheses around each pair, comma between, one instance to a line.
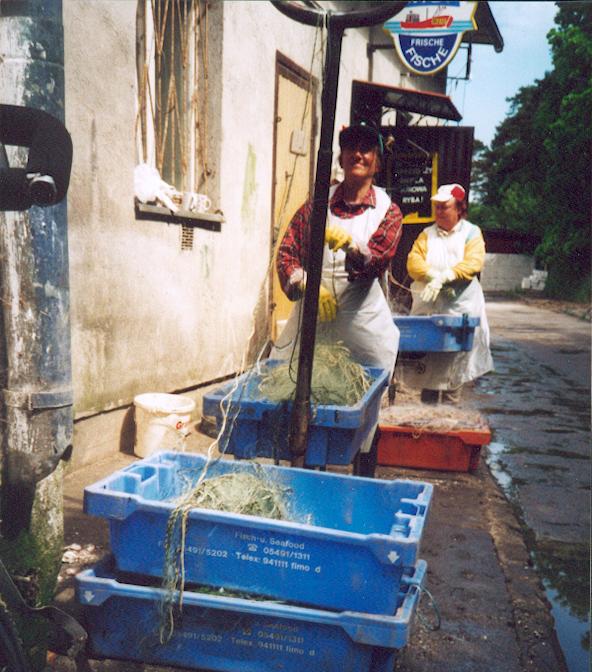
(474,258)
(417,266)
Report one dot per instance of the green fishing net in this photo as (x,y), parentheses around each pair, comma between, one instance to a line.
(336,378)
(238,492)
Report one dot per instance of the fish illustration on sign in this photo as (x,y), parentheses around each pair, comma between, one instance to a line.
(427,44)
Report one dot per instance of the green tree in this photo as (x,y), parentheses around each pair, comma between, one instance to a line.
(535,178)
(482,213)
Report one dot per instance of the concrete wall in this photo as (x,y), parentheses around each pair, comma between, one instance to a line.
(109,251)
(504,272)
(147,315)
(253,34)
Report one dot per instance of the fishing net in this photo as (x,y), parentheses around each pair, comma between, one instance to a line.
(336,378)
(428,417)
(239,492)
(236,492)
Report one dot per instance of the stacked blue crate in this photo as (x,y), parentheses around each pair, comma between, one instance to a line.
(350,545)
(436,333)
(258,427)
(230,634)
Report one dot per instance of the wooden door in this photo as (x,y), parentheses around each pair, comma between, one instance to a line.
(294,141)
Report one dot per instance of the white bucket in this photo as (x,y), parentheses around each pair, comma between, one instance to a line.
(162,422)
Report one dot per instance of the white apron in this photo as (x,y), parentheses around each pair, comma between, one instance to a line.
(449,370)
(364,322)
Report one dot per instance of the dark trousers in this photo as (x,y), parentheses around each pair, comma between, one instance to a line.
(442,396)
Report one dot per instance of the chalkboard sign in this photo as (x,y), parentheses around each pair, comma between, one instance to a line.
(414,179)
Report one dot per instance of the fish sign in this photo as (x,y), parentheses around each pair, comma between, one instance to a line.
(427,35)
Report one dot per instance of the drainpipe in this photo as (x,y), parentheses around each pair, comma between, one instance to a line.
(336,24)
(35,327)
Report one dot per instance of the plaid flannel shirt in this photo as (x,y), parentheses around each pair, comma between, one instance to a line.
(293,250)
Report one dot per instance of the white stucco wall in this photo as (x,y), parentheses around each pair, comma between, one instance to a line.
(504,272)
(253,33)
(109,251)
(147,316)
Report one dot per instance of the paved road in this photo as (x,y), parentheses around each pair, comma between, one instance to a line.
(495,616)
(538,405)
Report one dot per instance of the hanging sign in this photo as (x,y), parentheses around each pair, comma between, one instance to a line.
(427,34)
(416,178)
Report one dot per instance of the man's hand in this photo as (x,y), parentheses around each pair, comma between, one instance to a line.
(337,238)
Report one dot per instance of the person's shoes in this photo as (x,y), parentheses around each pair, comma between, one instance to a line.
(430,396)
(452,396)
(441,396)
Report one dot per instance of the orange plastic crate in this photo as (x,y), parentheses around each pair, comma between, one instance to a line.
(455,450)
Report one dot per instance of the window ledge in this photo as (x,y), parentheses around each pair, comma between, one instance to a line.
(200,220)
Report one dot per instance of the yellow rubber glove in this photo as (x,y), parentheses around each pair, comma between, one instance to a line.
(327,305)
(337,238)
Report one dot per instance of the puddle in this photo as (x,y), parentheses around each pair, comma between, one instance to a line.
(519,450)
(573,634)
(498,468)
(545,467)
(513,411)
(563,567)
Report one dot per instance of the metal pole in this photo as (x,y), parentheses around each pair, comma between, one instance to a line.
(35,325)
(300,411)
(336,24)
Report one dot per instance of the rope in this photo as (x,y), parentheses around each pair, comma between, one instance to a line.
(393,281)
(433,604)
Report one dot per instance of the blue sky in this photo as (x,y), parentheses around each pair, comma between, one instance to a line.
(495,77)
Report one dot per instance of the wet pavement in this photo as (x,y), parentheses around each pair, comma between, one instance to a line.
(488,546)
(538,405)
(494,616)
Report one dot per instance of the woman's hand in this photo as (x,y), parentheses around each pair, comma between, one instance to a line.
(327,305)
(437,280)
(337,238)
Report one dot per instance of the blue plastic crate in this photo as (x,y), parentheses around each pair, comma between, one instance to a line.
(259,427)
(230,634)
(436,333)
(345,546)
